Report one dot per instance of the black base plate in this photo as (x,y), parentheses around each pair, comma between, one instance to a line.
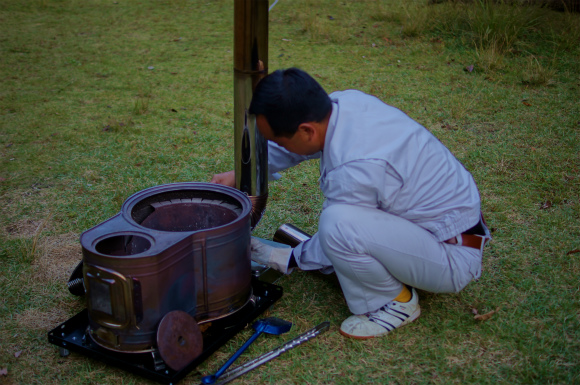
(72,335)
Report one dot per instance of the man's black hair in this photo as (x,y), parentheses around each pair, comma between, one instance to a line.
(288,98)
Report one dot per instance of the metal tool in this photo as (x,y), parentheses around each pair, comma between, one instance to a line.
(271,325)
(289,234)
(250,365)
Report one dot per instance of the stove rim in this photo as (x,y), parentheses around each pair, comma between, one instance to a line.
(120,233)
(133,228)
(130,203)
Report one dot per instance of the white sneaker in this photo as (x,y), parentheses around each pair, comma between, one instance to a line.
(272,254)
(389,317)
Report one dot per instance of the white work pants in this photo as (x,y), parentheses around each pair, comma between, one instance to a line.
(374,253)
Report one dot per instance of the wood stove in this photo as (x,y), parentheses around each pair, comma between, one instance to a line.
(175,261)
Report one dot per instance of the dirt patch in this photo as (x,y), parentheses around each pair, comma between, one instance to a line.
(26,228)
(58,256)
(45,319)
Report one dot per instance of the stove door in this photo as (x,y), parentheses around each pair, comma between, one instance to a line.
(109,295)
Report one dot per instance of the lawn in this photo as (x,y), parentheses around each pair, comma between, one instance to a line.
(101,99)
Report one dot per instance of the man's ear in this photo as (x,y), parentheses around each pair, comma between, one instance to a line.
(307,131)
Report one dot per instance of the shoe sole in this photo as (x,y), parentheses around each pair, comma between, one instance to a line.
(412,318)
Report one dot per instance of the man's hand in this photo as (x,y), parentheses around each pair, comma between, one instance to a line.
(272,254)
(226,178)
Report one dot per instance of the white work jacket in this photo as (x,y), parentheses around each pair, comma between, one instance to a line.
(376,156)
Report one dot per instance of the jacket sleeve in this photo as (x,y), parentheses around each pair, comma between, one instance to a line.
(280,159)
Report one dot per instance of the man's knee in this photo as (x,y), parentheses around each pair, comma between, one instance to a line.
(337,230)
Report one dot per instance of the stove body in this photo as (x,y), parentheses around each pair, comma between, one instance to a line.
(173,249)
(182,246)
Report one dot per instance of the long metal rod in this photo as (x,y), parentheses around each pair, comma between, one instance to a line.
(250,65)
(250,365)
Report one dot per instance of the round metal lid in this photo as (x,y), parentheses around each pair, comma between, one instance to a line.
(179,339)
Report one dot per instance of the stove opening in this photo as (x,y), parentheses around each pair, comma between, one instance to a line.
(123,245)
(186,210)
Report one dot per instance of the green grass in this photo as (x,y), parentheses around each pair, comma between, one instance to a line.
(101,99)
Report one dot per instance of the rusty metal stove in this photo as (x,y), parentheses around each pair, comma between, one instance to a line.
(182,246)
(173,262)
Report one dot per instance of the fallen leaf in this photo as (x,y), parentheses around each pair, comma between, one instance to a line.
(18,353)
(173,110)
(474,311)
(286,39)
(526,103)
(469,68)
(2,179)
(546,205)
(573,251)
(330,17)
(485,317)
(204,327)
(150,67)
(4,372)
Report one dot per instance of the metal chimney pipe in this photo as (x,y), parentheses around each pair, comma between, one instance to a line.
(250,65)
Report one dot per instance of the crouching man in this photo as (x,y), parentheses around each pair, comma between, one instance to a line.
(401,212)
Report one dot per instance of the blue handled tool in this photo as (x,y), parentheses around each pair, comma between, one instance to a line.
(271,325)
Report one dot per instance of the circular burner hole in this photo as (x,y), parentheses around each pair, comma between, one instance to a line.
(123,245)
(186,210)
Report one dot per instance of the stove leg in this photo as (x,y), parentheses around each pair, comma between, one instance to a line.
(158,362)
